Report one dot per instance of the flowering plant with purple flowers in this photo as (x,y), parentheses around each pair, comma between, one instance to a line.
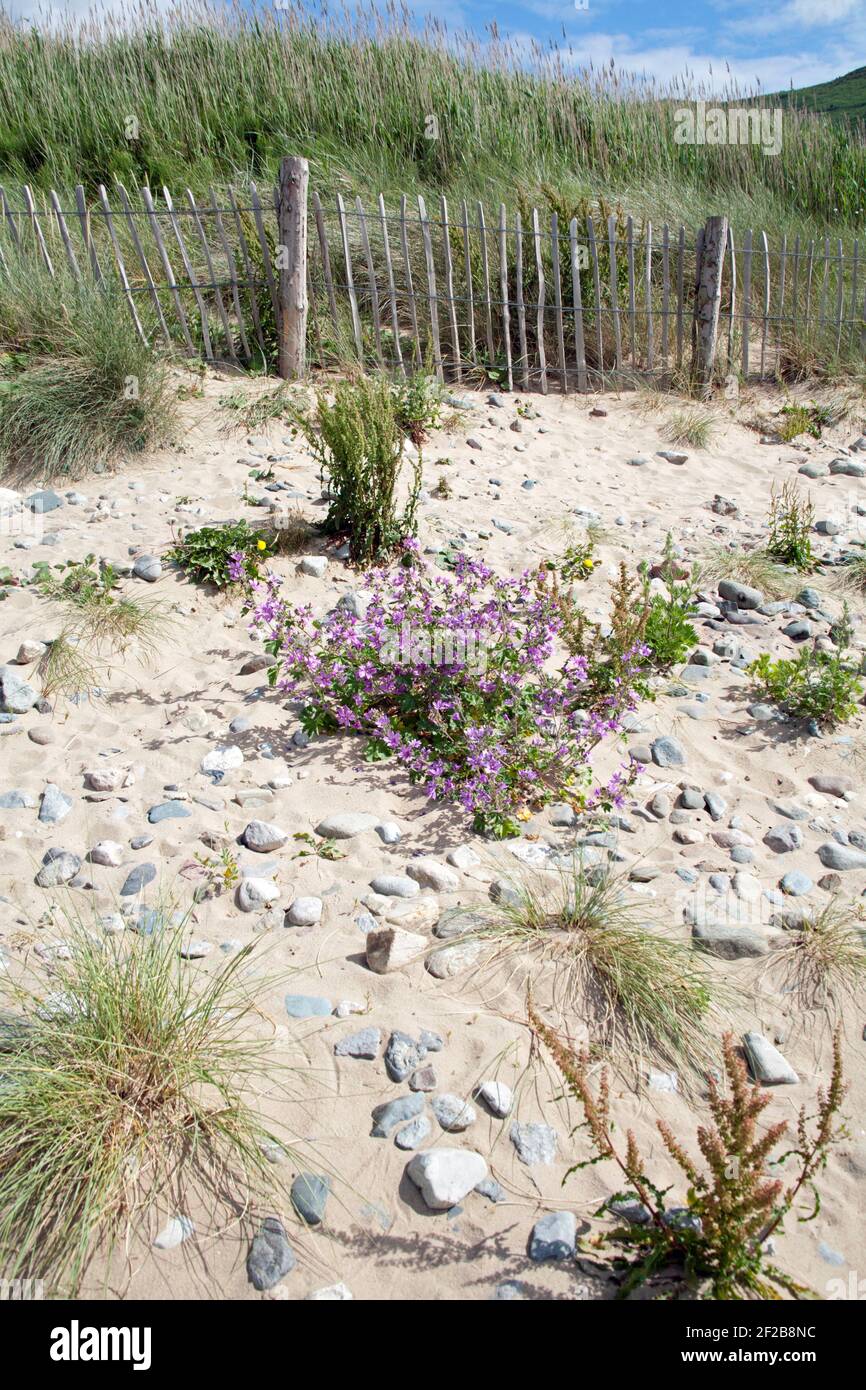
(459,677)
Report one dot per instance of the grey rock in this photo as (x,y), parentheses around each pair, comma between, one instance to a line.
(554,1237)
(314,565)
(147,567)
(715,804)
(445,1176)
(729,942)
(271,1257)
(841,857)
(402,1055)
(168,810)
(498,1097)
(17,801)
(413,1134)
(796,884)
(453,1113)
(308,1006)
(263,838)
(395,886)
(58,866)
(364,1044)
(304,912)
(667,752)
(345,824)
(389,833)
(16,696)
(534,1142)
(740,594)
(44,501)
(137,879)
(396,1112)
(766,1064)
(309,1195)
(784,838)
(832,785)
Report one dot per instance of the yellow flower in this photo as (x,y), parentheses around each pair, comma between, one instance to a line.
(523,814)
(262,545)
(587,564)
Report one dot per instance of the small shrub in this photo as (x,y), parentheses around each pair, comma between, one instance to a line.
(667,632)
(205,555)
(812,685)
(790,521)
(418,405)
(578,562)
(358,443)
(615,652)
(448,674)
(804,419)
(716,1245)
(127,1083)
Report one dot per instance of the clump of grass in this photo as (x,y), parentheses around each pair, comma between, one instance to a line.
(823,963)
(790,519)
(813,685)
(752,567)
(80,389)
(357,440)
(693,427)
(127,1085)
(645,997)
(253,413)
(715,1246)
(799,418)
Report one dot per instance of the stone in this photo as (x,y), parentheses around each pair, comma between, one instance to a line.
(17,801)
(453,960)
(55,805)
(363,1045)
(314,565)
(402,1055)
(307,1006)
(108,853)
(464,857)
(784,838)
(453,1113)
(254,894)
(263,838)
(168,810)
(841,857)
(309,1194)
(729,942)
(138,879)
(106,779)
(345,824)
(334,1293)
(44,501)
(259,662)
(554,1237)
(391,948)
(395,886)
(766,1064)
(667,752)
(430,874)
(271,1257)
(396,1112)
(498,1097)
(423,1079)
(147,567)
(534,1142)
(832,785)
(413,1134)
(305,912)
(850,468)
(830,883)
(196,949)
(660,805)
(58,866)
(175,1231)
(16,696)
(445,1176)
(389,833)
(796,884)
(221,760)
(741,595)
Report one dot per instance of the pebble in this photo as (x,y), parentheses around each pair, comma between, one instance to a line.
(534,1142)
(333,1293)
(307,1006)
(841,857)
(16,696)
(784,838)
(445,1176)
(222,760)
(390,948)
(271,1257)
(453,1113)
(554,1237)
(168,810)
(413,1134)
(402,1055)
(740,594)
(58,866)
(305,912)
(498,1097)
(175,1231)
(137,879)
(796,884)
(147,567)
(395,886)
(667,752)
(309,1194)
(396,1112)
(389,833)
(364,1045)
(253,893)
(767,1065)
(430,874)
(345,825)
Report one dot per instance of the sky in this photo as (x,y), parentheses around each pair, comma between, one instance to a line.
(755,43)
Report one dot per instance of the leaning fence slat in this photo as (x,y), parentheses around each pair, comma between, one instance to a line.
(747,298)
(765,328)
(350,282)
(632,308)
(666,289)
(211,270)
(782,277)
(822,302)
(470,298)
(733,312)
(539,321)
(449,286)
(485,271)
(431,286)
(840,287)
(410,289)
(855,266)
(249,276)
(326,264)
(64,235)
(650,339)
(596,282)
(190,274)
(84,219)
(10,220)
(232,272)
(167,268)
(810,266)
(614,298)
(37,230)
(371,278)
(503,291)
(121,268)
(557,302)
(681,257)
(392,292)
(521,307)
(142,259)
(259,219)
(796,281)
(577,302)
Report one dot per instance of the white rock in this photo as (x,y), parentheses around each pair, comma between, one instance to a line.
(445,1176)
(256,893)
(314,565)
(395,886)
(497,1096)
(223,759)
(196,950)
(345,824)
(464,857)
(334,1293)
(108,779)
(107,852)
(263,837)
(175,1231)
(431,874)
(390,948)
(30,651)
(305,912)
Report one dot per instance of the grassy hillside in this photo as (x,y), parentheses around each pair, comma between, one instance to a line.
(189,99)
(844,97)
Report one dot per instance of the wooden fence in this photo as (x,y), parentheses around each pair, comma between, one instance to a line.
(291,279)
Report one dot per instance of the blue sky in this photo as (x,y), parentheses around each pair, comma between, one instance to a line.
(752,41)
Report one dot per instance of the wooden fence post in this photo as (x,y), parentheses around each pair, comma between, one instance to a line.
(708,299)
(292,263)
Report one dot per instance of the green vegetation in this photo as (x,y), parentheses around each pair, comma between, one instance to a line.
(205,555)
(716,1245)
(790,519)
(804,419)
(692,427)
(667,630)
(127,1084)
(194,99)
(843,98)
(823,964)
(813,685)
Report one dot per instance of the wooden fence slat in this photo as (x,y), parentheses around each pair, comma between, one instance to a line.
(449,287)
(84,219)
(796,280)
(485,272)
(142,259)
(766,314)
(822,302)
(747,299)
(632,307)
(521,307)
(470,297)
(855,266)
(121,268)
(37,230)
(681,258)
(840,288)
(539,320)
(249,273)
(650,328)
(577,303)
(231,266)
(503,291)
(596,281)
(326,264)
(782,277)
(666,290)
(410,289)
(733,316)
(264,248)
(392,292)
(190,275)
(614,295)
(371,277)
(557,302)
(211,270)
(810,266)
(64,235)
(350,282)
(167,268)
(10,220)
(431,286)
